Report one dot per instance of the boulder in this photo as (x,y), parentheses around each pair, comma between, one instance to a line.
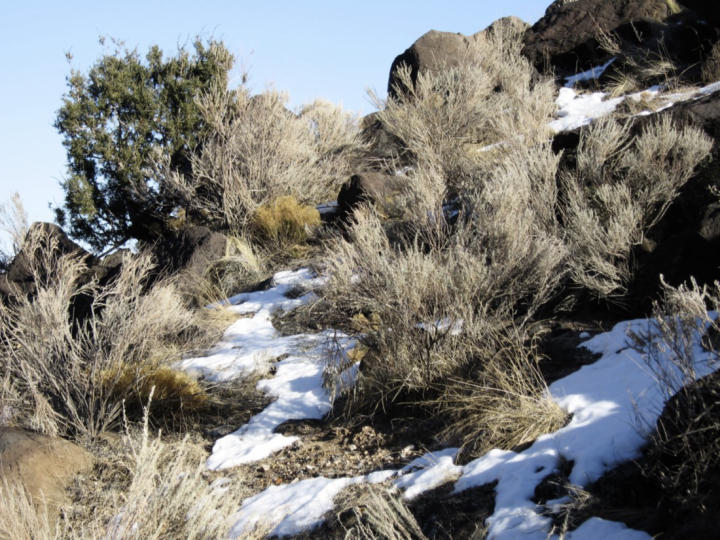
(43,465)
(190,250)
(568,38)
(367,187)
(432,51)
(19,279)
(384,145)
(436,50)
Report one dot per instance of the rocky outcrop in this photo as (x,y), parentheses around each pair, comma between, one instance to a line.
(570,37)
(435,51)
(43,465)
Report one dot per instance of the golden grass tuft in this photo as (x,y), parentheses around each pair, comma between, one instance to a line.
(285,221)
(505,403)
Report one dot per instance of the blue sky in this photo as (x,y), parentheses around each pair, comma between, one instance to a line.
(330,49)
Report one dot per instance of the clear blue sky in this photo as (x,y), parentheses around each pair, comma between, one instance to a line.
(330,49)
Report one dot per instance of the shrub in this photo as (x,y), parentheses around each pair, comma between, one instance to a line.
(284,221)
(448,118)
(114,119)
(70,376)
(621,186)
(259,151)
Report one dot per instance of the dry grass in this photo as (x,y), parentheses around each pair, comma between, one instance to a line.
(284,221)
(260,151)
(621,187)
(69,376)
(504,403)
(21,517)
(495,96)
(14,222)
(145,488)
(375,512)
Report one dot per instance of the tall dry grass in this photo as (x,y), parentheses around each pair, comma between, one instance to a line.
(259,151)
(69,375)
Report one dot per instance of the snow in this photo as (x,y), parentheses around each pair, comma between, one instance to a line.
(589,75)
(575,110)
(428,472)
(602,529)
(250,345)
(604,399)
(290,508)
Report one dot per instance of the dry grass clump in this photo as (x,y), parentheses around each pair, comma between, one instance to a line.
(284,221)
(504,402)
(622,185)
(21,517)
(443,116)
(68,376)
(259,151)
(375,512)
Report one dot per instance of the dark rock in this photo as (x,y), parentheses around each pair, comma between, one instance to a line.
(568,39)
(20,279)
(191,250)
(432,51)
(384,145)
(188,253)
(436,50)
(708,9)
(367,187)
(566,36)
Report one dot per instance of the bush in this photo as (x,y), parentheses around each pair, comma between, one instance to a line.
(283,221)
(70,376)
(259,151)
(114,120)
(621,186)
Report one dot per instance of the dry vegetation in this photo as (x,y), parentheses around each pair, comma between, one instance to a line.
(70,376)
(444,299)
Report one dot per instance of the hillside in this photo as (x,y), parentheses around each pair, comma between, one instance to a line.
(487,310)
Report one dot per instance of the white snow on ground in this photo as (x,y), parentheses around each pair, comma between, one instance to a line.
(589,75)
(250,345)
(297,387)
(604,398)
(576,109)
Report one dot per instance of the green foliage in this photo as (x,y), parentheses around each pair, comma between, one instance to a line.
(115,120)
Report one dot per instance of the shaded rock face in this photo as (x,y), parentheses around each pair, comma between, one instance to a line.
(568,38)
(436,50)
(192,249)
(188,253)
(368,187)
(43,465)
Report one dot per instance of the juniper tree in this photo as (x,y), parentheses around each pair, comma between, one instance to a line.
(115,120)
